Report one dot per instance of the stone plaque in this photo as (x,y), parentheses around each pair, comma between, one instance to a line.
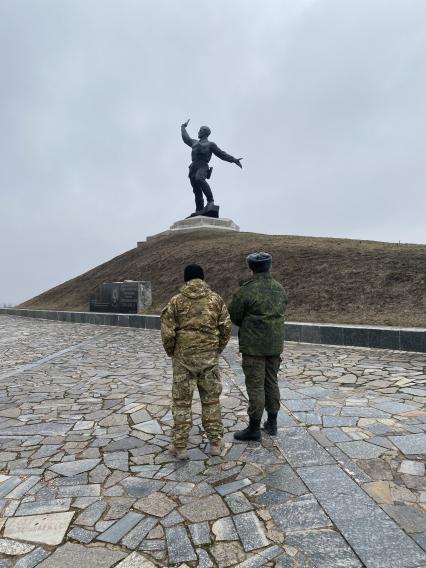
(46,529)
(128,297)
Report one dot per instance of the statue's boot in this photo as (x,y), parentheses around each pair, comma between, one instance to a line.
(207,208)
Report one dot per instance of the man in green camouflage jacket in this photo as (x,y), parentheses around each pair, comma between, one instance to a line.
(258,309)
(195,328)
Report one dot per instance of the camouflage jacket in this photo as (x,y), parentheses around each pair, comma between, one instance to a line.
(258,309)
(195,321)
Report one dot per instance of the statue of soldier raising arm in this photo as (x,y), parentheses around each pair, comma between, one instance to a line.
(199,170)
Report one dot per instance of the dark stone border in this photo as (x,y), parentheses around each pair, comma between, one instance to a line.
(404,339)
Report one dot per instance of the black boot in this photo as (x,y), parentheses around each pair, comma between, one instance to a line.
(270,425)
(252,432)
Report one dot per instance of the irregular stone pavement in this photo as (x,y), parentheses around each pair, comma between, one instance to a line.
(86,478)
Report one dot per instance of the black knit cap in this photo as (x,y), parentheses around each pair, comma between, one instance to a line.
(193,271)
(259,261)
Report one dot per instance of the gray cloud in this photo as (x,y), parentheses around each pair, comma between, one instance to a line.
(324,99)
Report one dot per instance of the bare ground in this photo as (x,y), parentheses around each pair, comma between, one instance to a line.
(328,280)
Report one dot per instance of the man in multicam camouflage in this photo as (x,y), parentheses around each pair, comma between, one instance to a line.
(258,309)
(195,328)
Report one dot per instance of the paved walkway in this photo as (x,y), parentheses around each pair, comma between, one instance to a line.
(86,479)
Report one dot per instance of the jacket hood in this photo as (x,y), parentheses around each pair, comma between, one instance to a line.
(195,288)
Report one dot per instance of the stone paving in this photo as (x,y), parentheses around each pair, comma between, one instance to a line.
(86,478)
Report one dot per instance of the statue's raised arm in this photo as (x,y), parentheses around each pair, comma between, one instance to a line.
(185,136)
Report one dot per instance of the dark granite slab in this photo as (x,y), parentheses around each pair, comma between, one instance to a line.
(377,540)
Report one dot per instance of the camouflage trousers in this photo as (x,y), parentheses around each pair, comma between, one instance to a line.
(203,374)
(261,374)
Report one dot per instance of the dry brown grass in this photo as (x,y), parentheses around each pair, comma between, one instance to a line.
(328,280)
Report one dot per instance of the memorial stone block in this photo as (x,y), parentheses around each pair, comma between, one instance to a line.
(128,297)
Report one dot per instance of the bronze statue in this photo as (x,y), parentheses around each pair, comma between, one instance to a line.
(199,170)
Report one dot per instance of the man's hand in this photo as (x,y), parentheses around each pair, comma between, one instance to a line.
(238,162)
(185,124)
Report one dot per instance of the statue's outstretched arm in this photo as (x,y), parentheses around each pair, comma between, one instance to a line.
(224,156)
(185,136)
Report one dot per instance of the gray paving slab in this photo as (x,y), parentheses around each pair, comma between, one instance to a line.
(408,517)
(309,418)
(300,405)
(412,444)
(82,535)
(300,514)
(224,529)
(200,533)
(364,412)
(315,392)
(273,497)
(376,539)
(250,531)
(9,485)
(238,502)
(33,559)
(290,394)
(206,509)
(412,468)
(204,560)
(415,392)
(336,435)
(179,546)
(300,449)
(11,547)
(421,540)
(326,549)
(285,479)
(338,421)
(39,507)
(47,429)
(261,558)
(361,449)
(92,513)
(172,519)
(23,488)
(74,467)
(349,466)
(233,486)
(71,555)
(299,559)
(135,560)
(394,407)
(135,536)
(139,487)
(119,529)
(284,420)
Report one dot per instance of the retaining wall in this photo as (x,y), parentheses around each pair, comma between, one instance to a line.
(405,339)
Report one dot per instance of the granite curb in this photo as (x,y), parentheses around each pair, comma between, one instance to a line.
(396,338)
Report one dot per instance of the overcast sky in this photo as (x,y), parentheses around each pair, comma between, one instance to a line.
(325,99)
